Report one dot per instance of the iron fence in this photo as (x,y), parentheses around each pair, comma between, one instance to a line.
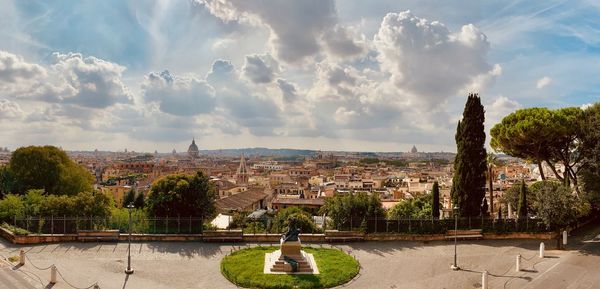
(196,225)
(439,226)
(145,225)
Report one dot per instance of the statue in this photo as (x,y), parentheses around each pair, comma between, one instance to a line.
(290,259)
(292,232)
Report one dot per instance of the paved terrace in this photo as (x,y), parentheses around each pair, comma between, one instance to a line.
(394,264)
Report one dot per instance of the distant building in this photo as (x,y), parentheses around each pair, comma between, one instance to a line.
(241,175)
(193,150)
(413,150)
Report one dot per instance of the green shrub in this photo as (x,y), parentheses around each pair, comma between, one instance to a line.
(15,230)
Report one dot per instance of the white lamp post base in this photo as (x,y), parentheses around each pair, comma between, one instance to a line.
(454,267)
(129,271)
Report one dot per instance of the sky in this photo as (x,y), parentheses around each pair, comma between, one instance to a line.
(379,75)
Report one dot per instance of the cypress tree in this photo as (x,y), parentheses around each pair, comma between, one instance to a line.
(523,201)
(470,165)
(435,206)
(128,198)
(139,201)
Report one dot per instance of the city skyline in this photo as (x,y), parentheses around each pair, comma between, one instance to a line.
(343,76)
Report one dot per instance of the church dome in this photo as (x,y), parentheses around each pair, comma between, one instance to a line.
(193,149)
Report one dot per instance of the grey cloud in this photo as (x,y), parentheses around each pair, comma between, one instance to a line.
(340,42)
(260,68)
(297,27)
(288,90)
(179,95)
(221,72)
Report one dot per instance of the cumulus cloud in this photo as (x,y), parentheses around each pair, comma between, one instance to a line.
(543,82)
(297,27)
(426,59)
(14,67)
(246,106)
(95,83)
(179,95)
(260,68)
(71,78)
(10,110)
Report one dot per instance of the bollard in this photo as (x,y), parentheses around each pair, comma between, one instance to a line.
(484,280)
(53,274)
(96,286)
(21,258)
(518,267)
(542,248)
(564,237)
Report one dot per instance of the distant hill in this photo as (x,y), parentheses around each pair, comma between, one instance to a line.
(259,152)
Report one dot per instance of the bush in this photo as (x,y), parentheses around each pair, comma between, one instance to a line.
(11,206)
(15,230)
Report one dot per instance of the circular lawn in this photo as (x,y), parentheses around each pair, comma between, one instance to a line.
(245,268)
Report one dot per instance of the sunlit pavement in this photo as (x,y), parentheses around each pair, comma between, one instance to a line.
(384,264)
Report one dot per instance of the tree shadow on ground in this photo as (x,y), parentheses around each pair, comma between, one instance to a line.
(189,249)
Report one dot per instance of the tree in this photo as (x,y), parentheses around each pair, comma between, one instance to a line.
(557,207)
(419,207)
(351,207)
(139,201)
(6,181)
(513,197)
(435,202)
(48,168)
(304,220)
(525,134)
(128,198)
(468,183)
(492,162)
(590,150)
(181,194)
(522,209)
(543,135)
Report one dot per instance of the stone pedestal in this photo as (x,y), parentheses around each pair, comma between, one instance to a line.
(290,259)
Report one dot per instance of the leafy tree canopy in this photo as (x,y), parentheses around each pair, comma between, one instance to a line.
(47,168)
(418,208)
(556,204)
(304,220)
(182,195)
(353,206)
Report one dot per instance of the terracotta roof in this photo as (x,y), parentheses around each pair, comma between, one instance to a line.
(241,200)
(290,201)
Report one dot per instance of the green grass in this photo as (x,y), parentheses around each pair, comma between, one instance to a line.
(245,268)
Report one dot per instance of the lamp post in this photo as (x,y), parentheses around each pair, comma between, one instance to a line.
(129,270)
(455,266)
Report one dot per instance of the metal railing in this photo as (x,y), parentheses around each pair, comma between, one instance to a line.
(140,225)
